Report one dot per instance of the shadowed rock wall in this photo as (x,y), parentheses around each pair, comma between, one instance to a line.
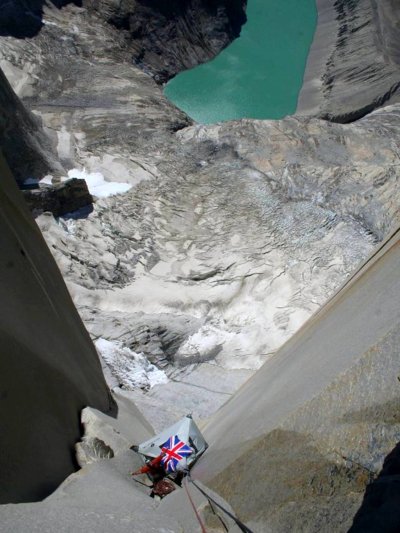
(23,18)
(27,150)
(49,367)
(380,510)
(167,37)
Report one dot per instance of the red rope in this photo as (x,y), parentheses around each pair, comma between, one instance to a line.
(203,529)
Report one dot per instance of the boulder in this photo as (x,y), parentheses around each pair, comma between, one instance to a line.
(60,199)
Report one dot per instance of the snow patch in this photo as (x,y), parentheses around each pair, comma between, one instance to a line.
(96,183)
(130,369)
(204,345)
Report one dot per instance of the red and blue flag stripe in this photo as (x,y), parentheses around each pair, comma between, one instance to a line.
(174,450)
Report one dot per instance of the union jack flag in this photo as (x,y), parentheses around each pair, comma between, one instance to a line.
(174,451)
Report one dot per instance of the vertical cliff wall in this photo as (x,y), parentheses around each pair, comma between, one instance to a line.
(168,37)
(23,18)
(263,188)
(295,447)
(49,367)
(26,148)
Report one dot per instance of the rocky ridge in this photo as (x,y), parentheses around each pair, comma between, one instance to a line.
(195,30)
(353,65)
(60,199)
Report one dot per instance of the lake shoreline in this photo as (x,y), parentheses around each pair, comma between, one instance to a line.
(323,44)
(264,62)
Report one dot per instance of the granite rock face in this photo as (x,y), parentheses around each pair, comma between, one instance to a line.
(353,66)
(306,434)
(49,367)
(28,151)
(167,37)
(103,497)
(231,237)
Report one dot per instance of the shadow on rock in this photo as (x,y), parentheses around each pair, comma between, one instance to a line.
(387,413)
(70,199)
(24,18)
(283,482)
(380,509)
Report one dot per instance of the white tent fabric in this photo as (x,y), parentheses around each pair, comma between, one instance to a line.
(186,430)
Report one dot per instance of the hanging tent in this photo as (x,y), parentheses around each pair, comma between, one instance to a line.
(188,433)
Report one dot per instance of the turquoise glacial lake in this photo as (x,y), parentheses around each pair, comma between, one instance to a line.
(260,74)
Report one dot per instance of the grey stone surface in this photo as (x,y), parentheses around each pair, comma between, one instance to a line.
(307,433)
(49,367)
(231,237)
(105,437)
(195,30)
(353,65)
(101,497)
(104,497)
(27,150)
(158,336)
(213,518)
(199,389)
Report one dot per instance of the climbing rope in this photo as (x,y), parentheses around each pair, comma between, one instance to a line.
(217,515)
(240,524)
(141,483)
(203,529)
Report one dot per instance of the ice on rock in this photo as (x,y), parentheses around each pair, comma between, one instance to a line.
(129,369)
(202,346)
(97,185)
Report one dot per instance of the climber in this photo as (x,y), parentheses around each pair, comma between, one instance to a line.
(171,460)
(153,468)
